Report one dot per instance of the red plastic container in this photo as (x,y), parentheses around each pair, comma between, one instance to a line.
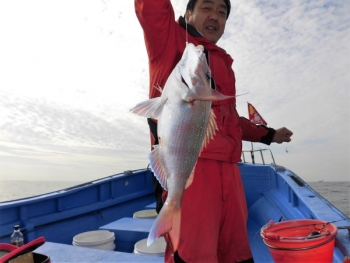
(303,240)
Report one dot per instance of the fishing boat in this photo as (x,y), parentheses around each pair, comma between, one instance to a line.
(273,193)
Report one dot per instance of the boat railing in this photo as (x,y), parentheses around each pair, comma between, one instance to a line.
(252,156)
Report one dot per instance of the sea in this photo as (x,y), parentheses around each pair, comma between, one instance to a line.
(337,193)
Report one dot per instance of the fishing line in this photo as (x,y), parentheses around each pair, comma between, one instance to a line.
(208,73)
(186,31)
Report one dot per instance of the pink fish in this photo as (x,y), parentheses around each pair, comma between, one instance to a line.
(186,123)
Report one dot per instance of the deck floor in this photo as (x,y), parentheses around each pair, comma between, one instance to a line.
(67,253)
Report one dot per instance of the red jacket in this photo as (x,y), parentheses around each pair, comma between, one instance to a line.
(165,41)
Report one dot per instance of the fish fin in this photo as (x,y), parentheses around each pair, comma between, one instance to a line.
(174,233)
(151,108)
(190,178)
(211,129)
(157,168)
(159,88)
(168,220)
(204,94)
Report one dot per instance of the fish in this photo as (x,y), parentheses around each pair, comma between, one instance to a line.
(186,123)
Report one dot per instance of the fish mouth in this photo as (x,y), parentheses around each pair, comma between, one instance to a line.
(200,48)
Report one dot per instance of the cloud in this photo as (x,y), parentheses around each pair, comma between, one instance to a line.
(71,70)
(292,58)
(65,94)
(37,133)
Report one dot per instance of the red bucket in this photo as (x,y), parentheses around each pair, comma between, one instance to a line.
(303,240)
(9,252)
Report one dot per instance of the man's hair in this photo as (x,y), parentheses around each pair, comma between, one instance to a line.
(191,3)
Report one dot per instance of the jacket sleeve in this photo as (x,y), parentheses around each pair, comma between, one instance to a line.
(156,19)
(256,133)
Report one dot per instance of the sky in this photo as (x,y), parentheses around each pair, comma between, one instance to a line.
(70,70)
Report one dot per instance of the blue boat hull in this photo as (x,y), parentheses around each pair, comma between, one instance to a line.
(272,193)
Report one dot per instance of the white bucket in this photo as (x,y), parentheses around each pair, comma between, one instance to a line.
(149,213)
(157,248)
(99,239)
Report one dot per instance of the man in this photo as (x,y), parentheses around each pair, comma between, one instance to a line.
(213,210)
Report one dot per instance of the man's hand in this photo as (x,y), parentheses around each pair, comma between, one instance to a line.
(282,135)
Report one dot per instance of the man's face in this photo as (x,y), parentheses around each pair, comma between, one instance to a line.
(209,18)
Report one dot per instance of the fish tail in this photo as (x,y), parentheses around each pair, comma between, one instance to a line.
(168,220)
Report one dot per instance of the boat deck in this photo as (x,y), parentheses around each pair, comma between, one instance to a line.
(130,230)
(68,253)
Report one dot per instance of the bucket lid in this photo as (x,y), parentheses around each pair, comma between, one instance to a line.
(157,248)
(149,213)
(93,238)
